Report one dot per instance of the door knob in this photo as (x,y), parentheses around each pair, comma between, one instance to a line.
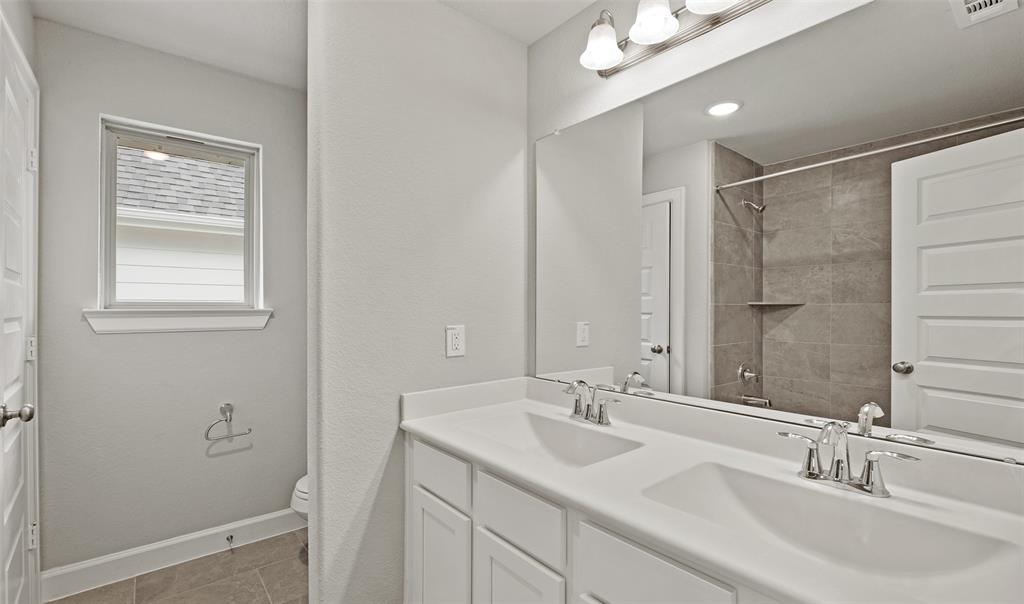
(904,367)
(25,414)
(657,349)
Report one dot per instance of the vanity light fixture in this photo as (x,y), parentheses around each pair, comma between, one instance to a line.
(657,29)
(156,155)
(723,109)
(603,49)
(708,7)
(654,22)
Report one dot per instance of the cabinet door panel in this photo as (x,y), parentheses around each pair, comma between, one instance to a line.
(504,575)
(610,570)
(441,551)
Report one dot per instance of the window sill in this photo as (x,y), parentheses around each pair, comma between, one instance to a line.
(162,320)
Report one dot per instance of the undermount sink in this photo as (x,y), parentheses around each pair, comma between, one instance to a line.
(560,440)
(826,523)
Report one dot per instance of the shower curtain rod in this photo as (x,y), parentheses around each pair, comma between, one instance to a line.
(748,181)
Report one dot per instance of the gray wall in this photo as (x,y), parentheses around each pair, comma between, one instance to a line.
(122,416)
(417,178)
(589,193)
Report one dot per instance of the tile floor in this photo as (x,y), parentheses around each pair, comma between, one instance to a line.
(272,571)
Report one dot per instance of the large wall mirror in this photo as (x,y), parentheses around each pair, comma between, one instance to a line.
(853,233)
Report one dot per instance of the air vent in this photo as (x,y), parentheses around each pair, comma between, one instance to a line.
(972,12)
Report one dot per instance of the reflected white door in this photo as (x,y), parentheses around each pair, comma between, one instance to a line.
(654,291)
(18,488)
(958,290)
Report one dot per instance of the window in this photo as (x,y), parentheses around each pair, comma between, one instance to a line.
(180,245)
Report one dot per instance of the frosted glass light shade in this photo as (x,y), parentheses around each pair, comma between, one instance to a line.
(654,22)
(708,7)
(603,49)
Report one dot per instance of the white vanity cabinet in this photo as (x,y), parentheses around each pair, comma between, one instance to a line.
(610,570)
(473,536)
(440,537)
(502,574)
(439,532)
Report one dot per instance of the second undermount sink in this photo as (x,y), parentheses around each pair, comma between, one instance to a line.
(827,523)
(559,440)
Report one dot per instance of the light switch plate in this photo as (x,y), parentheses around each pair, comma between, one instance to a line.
(582,334)
(455,341)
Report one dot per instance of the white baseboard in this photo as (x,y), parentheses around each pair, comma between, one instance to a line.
(88,574)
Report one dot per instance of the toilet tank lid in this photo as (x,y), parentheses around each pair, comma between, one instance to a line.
(302,485)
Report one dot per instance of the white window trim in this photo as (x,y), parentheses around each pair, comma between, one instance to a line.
(111,316)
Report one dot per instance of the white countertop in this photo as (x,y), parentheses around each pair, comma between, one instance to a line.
(611,493)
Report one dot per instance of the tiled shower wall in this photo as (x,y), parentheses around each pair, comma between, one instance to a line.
(825,246)
(736,275)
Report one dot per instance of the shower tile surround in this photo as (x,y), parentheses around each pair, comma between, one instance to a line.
(736,274)
(271,571)
(824,242)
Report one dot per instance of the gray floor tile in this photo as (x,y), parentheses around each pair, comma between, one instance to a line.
(287,580)
(122,592)
(208,569)
(243,588)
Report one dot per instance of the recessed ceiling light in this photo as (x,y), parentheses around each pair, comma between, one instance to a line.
(723,109)
(155,155)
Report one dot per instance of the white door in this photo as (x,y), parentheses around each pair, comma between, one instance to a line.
(441,551)
(504,575)
(958,290)
(655,282)
(18,474)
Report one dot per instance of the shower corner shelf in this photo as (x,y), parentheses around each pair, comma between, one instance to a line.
(761,303)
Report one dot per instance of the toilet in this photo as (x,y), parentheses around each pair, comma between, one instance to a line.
(300,497)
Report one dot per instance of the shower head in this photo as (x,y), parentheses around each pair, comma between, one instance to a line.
(759,208)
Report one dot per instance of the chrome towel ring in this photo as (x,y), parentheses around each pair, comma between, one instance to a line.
(227,410)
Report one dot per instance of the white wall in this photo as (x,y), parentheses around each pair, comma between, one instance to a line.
(589,193)
(122,417)
(417,181)
(690,167)
(18,16)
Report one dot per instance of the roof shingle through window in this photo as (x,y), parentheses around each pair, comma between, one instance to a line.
(179,184)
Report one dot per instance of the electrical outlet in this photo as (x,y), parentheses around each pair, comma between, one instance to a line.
(455,341)
(582,334)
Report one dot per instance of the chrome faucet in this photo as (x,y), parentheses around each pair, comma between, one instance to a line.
(633,378)
(834,434)
(582,391)
(585,408)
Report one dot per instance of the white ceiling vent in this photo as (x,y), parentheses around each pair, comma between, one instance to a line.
(972,12)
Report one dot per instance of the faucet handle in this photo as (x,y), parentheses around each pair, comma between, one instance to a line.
(870,480)
(811,465)
(601,418)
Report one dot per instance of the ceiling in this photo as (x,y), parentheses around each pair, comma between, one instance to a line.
(888,68)
(524,20)
(264,39)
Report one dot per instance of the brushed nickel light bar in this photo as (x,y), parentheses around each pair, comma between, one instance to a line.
(704,25)
(830,162)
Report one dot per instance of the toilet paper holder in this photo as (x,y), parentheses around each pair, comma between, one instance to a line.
(227,410)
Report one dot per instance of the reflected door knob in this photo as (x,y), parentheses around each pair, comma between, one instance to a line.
(904,367)
(25,414)
(657,349)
